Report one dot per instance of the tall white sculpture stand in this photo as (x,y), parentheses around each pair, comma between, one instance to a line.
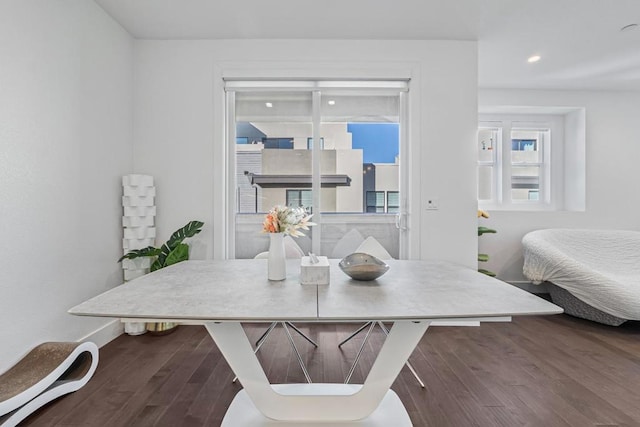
(138,221)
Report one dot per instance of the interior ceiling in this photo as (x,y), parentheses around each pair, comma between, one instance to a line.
(580,41)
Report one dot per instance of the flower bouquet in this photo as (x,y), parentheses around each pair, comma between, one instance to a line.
(287,220)
(279,222)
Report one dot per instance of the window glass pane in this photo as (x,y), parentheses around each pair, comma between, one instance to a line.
(293,198)
(361,132)
(276,126)
(525,180)
(485,182)
(393,201)
(375,201)
(487,144)
(300,199)
(273,164)
(306,200)
(526,146)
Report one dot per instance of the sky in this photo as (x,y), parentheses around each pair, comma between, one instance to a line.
(379,141)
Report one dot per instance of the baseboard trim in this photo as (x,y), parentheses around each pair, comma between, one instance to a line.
(105,334)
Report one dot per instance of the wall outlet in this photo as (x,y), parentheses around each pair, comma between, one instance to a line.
(432,204)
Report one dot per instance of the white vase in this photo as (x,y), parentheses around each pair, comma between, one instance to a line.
(277,266)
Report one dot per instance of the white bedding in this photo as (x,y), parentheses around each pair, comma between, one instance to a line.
(599,267)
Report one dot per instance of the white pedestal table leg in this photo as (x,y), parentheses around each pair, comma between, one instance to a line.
(311,405)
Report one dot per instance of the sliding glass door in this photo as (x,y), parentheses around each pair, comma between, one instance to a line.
(332,148)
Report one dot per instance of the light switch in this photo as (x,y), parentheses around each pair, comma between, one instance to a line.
(432,204)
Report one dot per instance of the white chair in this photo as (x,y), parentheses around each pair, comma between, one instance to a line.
(292,251)
(372,247)
(347,244)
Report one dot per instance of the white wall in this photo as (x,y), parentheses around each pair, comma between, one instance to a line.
(66,138)
(612,191)
(349,198)
(179,121)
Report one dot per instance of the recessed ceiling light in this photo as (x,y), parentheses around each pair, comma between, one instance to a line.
(331,102)
(534,58)
(268,104)
(629,27)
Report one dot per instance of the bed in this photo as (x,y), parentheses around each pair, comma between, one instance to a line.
(592,274)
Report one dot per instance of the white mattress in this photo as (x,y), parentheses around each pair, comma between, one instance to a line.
(599,267)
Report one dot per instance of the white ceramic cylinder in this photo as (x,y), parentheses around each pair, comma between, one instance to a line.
(277,266)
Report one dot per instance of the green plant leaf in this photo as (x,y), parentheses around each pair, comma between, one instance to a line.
(191,229)
(156,265)
(483,230)
(138,253)
(172,251)
(487,272)
(483,257)
(180,253)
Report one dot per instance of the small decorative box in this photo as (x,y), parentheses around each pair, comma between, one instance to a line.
(314,273)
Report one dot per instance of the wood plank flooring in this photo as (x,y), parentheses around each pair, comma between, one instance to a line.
(534,371)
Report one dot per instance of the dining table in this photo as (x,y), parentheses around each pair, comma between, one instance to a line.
(224,294)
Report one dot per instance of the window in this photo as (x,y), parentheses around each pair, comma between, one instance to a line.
(310,147)
(375,201)
(300,198)
(488,143)
(278,143)
(393,201)
(310,143)
(527,163)
(518,162)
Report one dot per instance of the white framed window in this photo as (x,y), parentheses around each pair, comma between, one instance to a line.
(271,127)
(520,161)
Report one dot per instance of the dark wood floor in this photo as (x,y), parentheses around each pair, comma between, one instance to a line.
(535,371)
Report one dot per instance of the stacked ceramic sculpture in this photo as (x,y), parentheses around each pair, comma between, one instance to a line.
(138,221)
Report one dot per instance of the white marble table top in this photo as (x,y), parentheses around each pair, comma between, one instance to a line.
(207,290)
(425,290)
(238,290)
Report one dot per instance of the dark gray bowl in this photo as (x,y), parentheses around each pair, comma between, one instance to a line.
(361,266)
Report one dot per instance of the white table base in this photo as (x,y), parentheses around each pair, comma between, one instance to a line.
(243,413)
(338,405)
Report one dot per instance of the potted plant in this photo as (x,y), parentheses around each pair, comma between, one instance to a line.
(483,230)
(172,252)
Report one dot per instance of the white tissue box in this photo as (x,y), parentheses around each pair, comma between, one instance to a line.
(314,274)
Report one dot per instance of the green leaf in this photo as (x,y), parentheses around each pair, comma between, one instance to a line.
(487,272)
(156,265)
(172,251)
(483,257)
(191,229)
(483,230)
(164,253)
(138,253)
(180,253)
